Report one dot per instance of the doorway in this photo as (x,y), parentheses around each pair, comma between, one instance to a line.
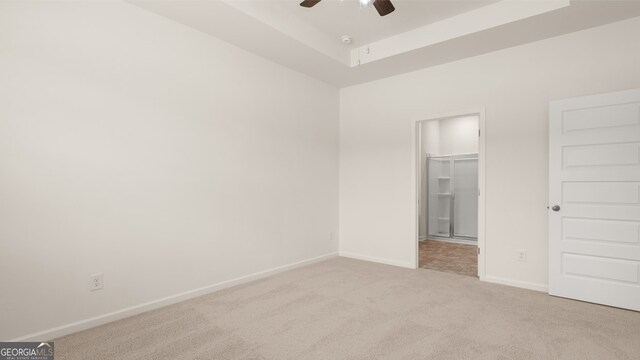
(448,197)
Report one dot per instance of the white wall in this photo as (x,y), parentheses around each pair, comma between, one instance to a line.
(162,157)
(430,137)
(429,144)
(515,85)
(452,136)
(459,135)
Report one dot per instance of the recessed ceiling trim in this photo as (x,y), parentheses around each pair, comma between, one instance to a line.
(293,27)
(228,24)
(490,16)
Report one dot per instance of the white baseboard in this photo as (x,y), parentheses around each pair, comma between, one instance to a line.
(155,304)
(377,260)
(516,283)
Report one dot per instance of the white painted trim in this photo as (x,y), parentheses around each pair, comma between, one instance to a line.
(376,260)
(516,283)
(474,21)
(482,201)
(155,304)
(480,112)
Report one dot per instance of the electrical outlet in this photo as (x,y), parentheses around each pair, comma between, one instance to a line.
(521,255)
(96,282)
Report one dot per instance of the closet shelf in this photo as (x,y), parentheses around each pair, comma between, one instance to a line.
(444,178)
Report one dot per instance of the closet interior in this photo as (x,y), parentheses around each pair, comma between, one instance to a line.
(448,195)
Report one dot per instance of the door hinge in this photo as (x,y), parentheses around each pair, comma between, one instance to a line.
(478,132)
(478,251)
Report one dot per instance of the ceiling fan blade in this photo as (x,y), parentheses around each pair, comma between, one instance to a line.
(384,7)
(309,3)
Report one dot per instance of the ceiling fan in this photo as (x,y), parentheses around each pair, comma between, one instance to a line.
(384,7)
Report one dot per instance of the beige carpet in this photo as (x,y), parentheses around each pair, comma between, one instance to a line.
(349,309)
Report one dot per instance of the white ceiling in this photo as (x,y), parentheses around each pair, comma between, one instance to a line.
(336,18)
(420,33)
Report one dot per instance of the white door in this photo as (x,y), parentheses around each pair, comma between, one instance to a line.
(594,199)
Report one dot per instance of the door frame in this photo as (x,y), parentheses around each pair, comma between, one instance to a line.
(416,167)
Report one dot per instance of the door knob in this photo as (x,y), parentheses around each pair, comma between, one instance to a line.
(556,208)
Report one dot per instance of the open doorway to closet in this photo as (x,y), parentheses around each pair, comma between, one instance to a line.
(448,194)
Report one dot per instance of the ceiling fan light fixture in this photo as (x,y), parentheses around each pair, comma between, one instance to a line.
(383,7)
